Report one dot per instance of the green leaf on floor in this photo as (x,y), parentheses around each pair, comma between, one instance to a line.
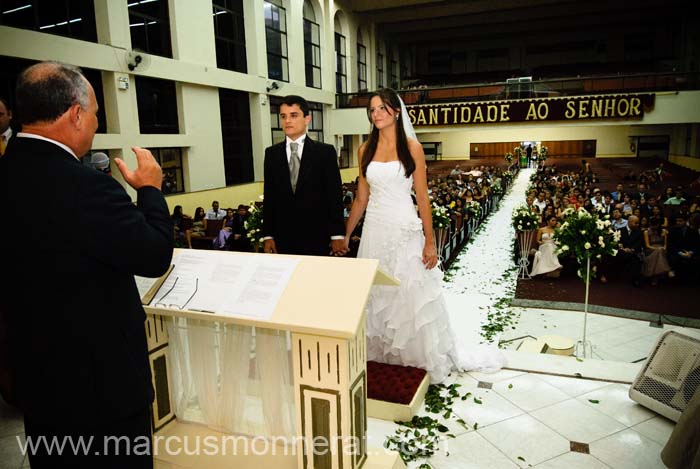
(476,425)
(477,400)
(521,458)
(594,401)
(510,386)
(579,359)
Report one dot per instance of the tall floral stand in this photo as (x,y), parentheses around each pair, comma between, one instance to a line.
(525,239)
(441,235)
(584,349)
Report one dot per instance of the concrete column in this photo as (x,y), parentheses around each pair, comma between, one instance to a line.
(192,33)
(260,131)
(112,23)
(295,42)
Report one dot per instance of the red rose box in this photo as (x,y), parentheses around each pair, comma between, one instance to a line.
(395,392)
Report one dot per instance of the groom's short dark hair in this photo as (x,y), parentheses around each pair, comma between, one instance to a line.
(293,99)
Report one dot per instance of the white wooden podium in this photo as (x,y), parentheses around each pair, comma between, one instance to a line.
(323,306)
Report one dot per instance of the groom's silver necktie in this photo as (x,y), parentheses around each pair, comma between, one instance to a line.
(294,164)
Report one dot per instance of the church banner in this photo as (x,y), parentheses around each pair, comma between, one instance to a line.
(573,108)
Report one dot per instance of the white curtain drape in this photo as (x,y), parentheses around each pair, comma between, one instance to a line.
(232,378)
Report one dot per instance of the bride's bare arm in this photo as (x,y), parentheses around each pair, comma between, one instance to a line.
(360,203)
(420,186)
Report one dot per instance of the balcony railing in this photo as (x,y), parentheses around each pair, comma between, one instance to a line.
(537,89)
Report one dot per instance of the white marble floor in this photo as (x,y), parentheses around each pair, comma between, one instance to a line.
(612,338)
(545,421)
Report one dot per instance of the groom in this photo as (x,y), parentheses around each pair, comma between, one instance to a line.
(303,209)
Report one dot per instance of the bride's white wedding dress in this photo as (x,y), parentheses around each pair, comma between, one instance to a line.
(409,325)
(545,259)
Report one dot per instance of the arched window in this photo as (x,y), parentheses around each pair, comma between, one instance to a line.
(341,72)
(361,63)
(312,47)
(276,33)
(229,34)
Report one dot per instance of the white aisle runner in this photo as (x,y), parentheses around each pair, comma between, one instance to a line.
(484,269)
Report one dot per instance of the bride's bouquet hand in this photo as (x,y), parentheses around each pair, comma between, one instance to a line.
(430,257)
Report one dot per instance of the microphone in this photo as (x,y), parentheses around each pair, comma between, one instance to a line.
(100,161)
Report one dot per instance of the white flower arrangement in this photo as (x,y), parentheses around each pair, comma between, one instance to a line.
(496,187)
(586,235)
(525,219)
(441,216)
(474,208)
(253,226)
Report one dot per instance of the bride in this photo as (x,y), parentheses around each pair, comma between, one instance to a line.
(406,325)
(546,261)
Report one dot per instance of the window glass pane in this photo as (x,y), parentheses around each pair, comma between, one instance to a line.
(276,40)
(309,11)
(149,25)
(230,35)
(71,18)
(223,21)
(157,106)
(283,44)
(285,70)
(236,136)
(170,159)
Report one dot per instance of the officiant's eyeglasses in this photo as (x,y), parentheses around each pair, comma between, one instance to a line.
(173,305)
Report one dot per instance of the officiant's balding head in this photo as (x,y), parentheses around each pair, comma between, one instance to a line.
(56,101)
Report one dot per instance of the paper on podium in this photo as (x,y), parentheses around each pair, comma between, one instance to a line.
(149,286)
(228,285)
(324,295)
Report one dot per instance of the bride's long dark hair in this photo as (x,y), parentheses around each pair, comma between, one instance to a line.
(390,100)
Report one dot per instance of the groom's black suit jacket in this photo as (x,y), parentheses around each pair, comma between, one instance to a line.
(69,308)
(303,222)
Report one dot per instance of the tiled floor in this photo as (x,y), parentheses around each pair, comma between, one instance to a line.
(531,420)
(525,420)
(613,338)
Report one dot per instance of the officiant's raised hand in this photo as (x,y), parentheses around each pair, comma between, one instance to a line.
(147,172)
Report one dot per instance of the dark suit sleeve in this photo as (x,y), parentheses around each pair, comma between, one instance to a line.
(334,197)
(137,239)
(269,196)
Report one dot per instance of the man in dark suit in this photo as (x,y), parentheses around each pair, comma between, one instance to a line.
(76,358)
(683,242)
(303,207)
(630,252)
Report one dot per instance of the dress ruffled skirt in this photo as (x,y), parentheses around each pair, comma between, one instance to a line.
(409,325)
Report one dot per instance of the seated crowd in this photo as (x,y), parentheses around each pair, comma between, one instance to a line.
(231,234)
(466,195)
(659,226)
